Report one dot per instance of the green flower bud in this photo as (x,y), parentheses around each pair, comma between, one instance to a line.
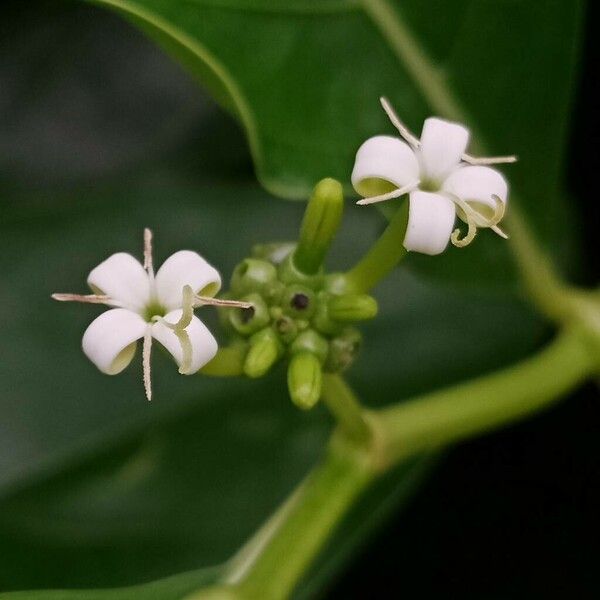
(275,252)
(343,350)
(305,380)
(272,293)
(289,273)
(311,341)
(338,284)
(319,226)
(264,351)
(286,328)
(249,320)
(298,301)
(321,320)
(252,275)
(352,307)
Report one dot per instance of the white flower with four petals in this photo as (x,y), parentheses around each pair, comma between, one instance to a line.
(442,180)
(148,306)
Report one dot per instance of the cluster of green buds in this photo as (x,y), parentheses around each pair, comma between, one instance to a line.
(299,312)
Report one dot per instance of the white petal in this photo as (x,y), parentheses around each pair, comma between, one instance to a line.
(204,345)
(110,340)
(185,268)
(476,185)
(430,222)
(383,163)
(122,278)
(442,146)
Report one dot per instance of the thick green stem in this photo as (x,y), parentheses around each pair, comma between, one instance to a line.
(273,562)
(383,256)
(346,408)
(314,511)
(471,408)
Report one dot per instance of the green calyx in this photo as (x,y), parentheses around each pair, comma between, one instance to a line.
(297,314)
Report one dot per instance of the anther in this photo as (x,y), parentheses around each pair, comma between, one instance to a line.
(404,131)
(489,160)
(390,195)
(148,263)
(86,298)
(202,300)
(146,351)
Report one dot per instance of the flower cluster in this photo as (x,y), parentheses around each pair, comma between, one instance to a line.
(281,304)
(301,317)
(441,179)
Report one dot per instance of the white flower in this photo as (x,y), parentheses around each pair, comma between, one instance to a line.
(441,179)
(150,307)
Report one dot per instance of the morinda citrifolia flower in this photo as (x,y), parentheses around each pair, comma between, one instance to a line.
(147,306)
(441,179)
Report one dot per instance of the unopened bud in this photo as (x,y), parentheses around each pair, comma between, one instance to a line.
(319,226)
(304,380)
(252,275)
(352,307)
(249,320)
(311,341)
(264,351)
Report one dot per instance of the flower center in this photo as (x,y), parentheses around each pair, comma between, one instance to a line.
(429,185)
(152,311)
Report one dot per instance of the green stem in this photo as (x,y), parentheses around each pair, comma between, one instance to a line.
(318,506)
(346,408)
(468,409)
(383,256)
(538,275)
(272,563)
(228,362)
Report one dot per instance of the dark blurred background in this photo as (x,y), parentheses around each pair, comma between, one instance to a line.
(511,515)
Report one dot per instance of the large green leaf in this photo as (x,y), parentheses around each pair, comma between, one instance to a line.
(304,79)
(170,588)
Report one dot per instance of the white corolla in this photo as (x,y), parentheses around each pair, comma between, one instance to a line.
(147,306)
(441,179)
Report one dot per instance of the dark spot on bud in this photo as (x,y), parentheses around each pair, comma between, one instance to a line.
(300,301)
(247,314)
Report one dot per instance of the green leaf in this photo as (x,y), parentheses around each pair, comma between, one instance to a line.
(304,79)
(171,588)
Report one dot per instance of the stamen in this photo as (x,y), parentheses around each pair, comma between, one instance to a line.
(499,211)
(471,224)
(467,239)
(203,300)
(499,231)
(187,310)
(404,131)
(475,219)
(489,160)
(86,298)
(186,350)
(148,263)
(390,195)
(146,351)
